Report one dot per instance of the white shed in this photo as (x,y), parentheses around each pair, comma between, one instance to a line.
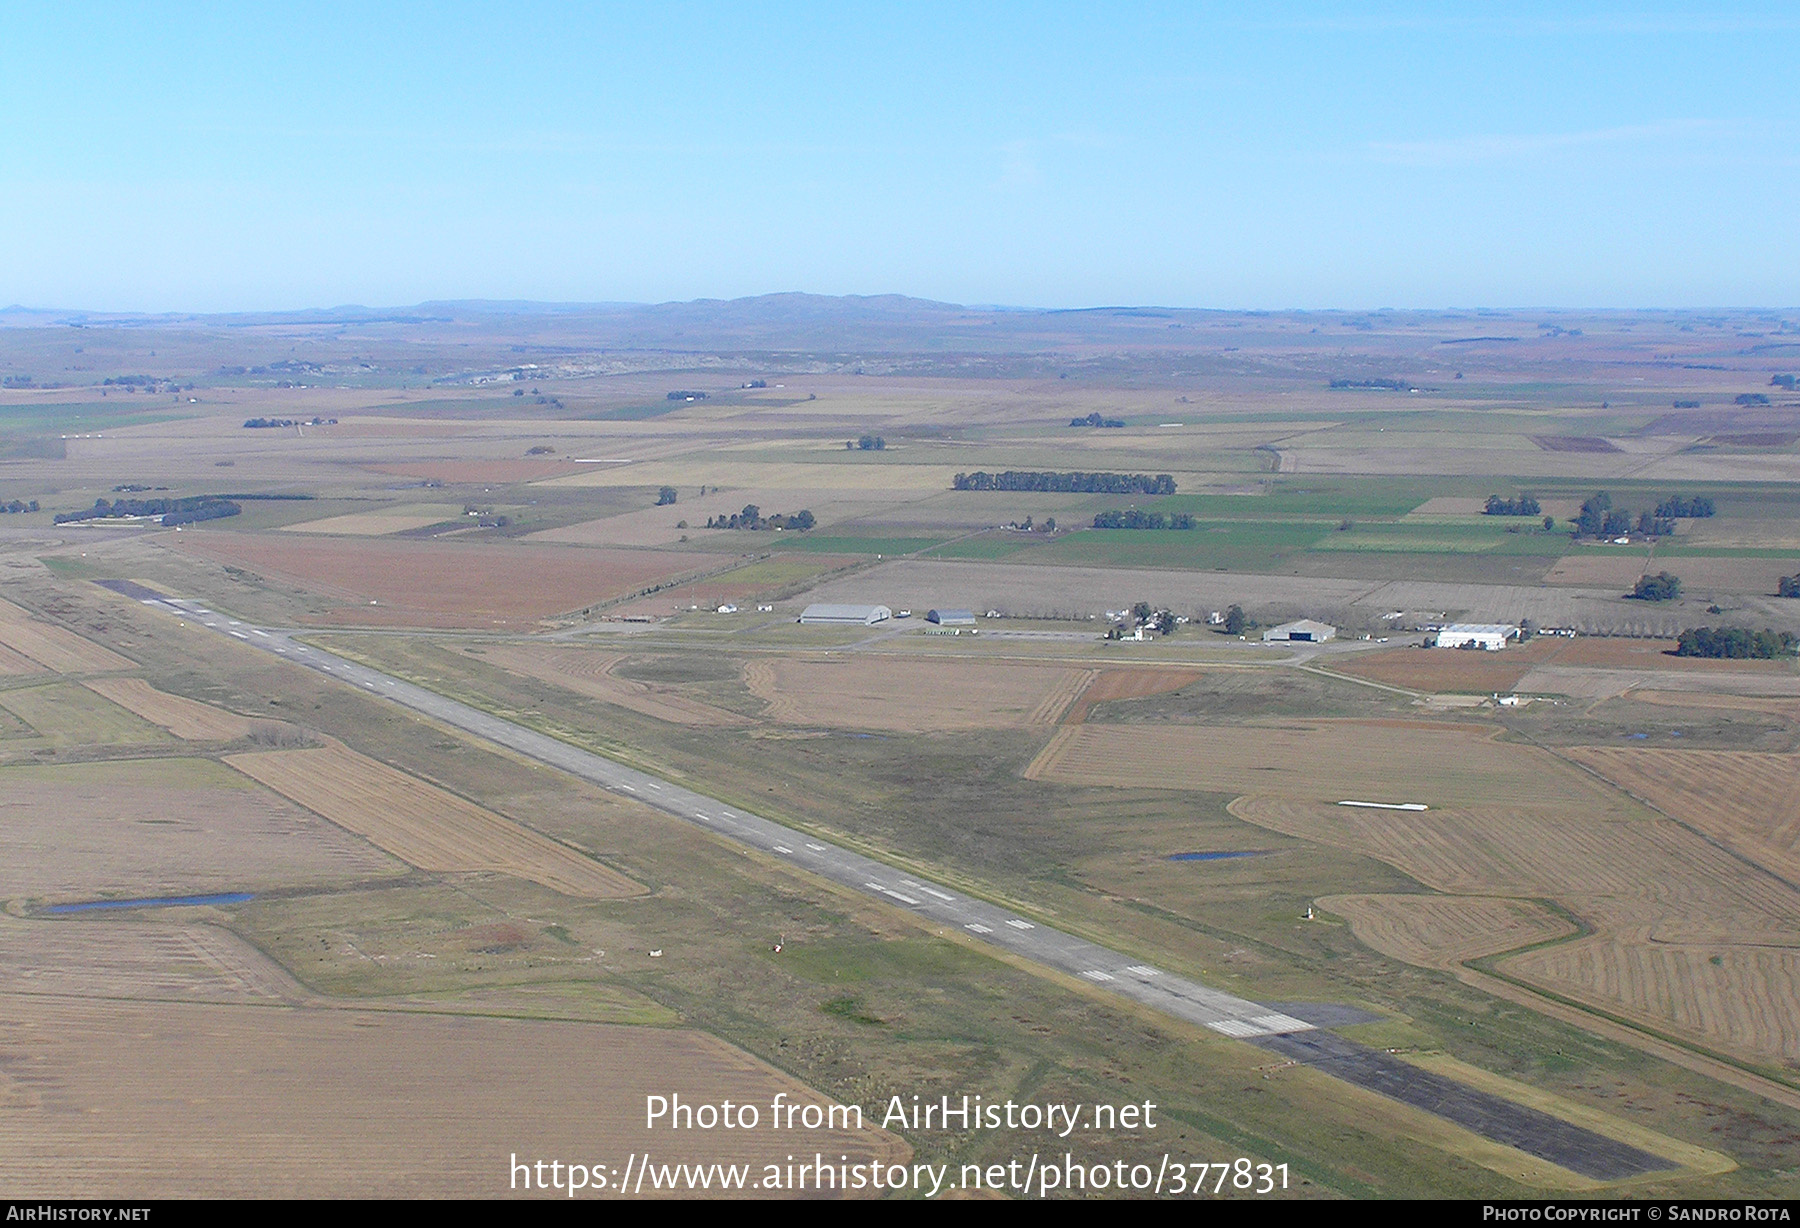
(1489,636)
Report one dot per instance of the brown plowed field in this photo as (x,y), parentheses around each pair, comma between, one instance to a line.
(1619,571)
(14,663)
(1448,670)
(162,827)
(587,672)
(423,824)
(442,584)
(1744,998)
(1663,902)
(1443,669)
(167,1100)
(53,647)
(1441,931)
(1433,763)
(185,718)
(910,695)
(482,472)
(103,956)
(1750,801)
(1126,684)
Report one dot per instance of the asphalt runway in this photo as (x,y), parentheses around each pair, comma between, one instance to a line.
(1504,1121)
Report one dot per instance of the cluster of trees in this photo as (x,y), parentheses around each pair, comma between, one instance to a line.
(17,381)
(685,394)
(1697,508)
(1524,505)
(1734,642)
(1788,587)
(1599,518)
(1392,385)
(665,496)
(17,506)
(1150,618)
(172,511)
(1750,398)
(1049,525)
(1076,483)
(1134,519)
(867,443)
(1660,587)
(257,424)
(1094,419)
(1775,381)
(752,518)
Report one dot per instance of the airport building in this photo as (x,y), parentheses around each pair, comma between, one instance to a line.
(1490,636)
(846,615)
(1302,629)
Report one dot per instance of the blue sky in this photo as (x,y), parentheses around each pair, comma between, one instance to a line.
(240,157)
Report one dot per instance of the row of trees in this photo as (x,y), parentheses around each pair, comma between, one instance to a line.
(1132,518)
(172,511)
(1524,505)
(1734,642)
(1696,508)
(255,424)
(866,443)
(752,518)
(17,506)
(1094,419)
(1075,483)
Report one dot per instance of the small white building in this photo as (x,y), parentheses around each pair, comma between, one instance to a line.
(1489,636)
(1301,629)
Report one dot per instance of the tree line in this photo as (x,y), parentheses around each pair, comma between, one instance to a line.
(1075,483)
(1599,518)
(19,506)
(752,518)
(1134,519)
(1524,505)
(1734,642)
(172,511)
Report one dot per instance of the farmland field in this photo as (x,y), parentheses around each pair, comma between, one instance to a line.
(1441,931)
(1328,760)
(591,673)
(182,717)
(445,940)
(69,715)
(423,824)
(139,1100)
(162,827)
(52,647)
(431,584)
(876,692)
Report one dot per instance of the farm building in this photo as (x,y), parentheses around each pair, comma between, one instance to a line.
(846,615)
(1491,636)
(951,618)
(1303,629)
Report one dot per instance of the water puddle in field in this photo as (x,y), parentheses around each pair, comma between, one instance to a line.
(160,901)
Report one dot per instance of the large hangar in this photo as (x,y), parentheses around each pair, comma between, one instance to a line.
(1304,630)
(846,615)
